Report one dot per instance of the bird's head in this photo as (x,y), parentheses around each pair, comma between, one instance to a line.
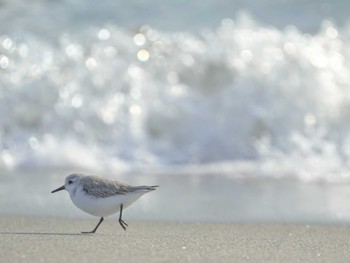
(70,184)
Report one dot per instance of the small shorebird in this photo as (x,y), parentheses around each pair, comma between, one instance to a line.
(101,197)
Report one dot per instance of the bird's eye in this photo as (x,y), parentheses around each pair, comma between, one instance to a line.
(70,181)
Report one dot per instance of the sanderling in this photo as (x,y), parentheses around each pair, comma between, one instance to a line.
(101,197)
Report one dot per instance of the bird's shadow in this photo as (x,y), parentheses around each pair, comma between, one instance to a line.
(45,234)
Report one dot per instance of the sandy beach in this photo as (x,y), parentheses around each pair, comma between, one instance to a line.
(43,239)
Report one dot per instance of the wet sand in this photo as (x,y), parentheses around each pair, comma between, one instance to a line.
(43,239)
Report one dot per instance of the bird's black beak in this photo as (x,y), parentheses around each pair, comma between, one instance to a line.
(58,189)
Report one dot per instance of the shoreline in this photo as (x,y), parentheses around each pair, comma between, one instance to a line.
(35,239)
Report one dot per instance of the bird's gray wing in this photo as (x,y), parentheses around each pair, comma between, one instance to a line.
(102,188)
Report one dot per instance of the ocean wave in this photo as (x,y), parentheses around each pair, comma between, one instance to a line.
(241,92)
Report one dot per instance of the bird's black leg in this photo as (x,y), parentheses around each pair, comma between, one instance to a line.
(121,221)
(93,231)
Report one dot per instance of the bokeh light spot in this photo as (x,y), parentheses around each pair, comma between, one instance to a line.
(143,55)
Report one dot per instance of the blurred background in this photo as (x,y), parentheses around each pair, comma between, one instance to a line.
(238,109)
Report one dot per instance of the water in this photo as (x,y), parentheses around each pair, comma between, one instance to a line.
(231,90)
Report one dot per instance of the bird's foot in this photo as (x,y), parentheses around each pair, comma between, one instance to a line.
(123,224)
(89,232)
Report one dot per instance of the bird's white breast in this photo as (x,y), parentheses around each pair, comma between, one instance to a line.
(102,206)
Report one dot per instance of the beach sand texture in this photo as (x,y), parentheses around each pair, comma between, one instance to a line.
(42,239)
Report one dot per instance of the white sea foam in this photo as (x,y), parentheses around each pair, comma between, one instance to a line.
(276,99)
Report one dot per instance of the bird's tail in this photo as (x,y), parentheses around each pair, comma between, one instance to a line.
(144,188)
(153,187)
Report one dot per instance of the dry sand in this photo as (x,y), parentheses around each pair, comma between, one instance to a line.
(39,239)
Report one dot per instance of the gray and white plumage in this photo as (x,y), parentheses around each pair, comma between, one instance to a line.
(101,187)
(102,197)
